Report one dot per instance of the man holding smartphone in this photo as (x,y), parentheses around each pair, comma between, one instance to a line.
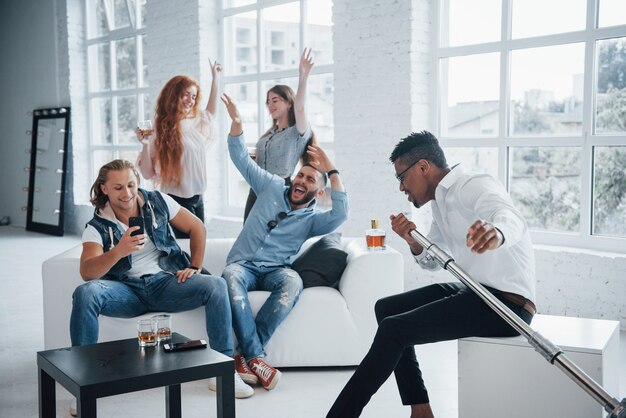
(130,270)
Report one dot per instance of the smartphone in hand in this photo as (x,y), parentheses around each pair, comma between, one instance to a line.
(136,221)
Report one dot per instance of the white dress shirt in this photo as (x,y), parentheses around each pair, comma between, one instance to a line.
(460,200)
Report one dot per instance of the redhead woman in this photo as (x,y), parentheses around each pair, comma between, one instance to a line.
(284,144)
(176,158)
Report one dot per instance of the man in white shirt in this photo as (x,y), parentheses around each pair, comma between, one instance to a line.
(129,274)
(475,220)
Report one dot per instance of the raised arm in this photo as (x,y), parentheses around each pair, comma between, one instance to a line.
(211,106)
(236,127)
(306,64)
(320,161)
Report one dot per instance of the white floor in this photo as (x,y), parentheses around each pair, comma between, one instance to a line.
(302,393)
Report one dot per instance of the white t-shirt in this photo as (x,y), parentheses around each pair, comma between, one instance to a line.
(146,260)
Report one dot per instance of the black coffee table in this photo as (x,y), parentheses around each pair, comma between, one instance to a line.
(111,368)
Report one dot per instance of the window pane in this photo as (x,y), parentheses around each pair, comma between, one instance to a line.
(471,22)
(130,155)
(96,19)
(127,119)
(120,11)
(126,55)
(240,32)
(101,121)
(281,23)
(545,186)
(245,95)
(472,95)
(545,17)
(609,191)
(100,67)
(320,30)
(319,107)
(480,160)
(100,158)
(148,110)
(611,89)
(611,13)
(547,90)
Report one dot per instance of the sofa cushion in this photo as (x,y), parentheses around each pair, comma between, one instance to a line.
(323,263)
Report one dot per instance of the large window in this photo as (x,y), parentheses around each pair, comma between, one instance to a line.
(262,43)
(117,82)
(534,92)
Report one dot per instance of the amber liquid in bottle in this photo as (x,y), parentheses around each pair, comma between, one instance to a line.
(375,237)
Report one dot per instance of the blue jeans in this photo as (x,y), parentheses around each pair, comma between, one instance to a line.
(285,286)
(161,292)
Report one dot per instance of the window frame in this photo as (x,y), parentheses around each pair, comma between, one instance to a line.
(502,141)
(259,77)
(110,38)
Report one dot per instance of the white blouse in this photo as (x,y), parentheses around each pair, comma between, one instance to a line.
(198,134)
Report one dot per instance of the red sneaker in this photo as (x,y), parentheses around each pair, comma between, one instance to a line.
(268,376)
(241,367)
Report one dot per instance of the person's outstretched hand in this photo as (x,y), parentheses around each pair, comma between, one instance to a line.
(216,68)
(233,112)
(306,62)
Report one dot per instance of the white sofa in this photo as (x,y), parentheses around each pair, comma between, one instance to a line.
(327,327)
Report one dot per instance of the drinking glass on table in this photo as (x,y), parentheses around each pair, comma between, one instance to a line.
(164,326)
(147,332)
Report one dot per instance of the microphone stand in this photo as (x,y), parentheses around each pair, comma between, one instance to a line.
(542,345)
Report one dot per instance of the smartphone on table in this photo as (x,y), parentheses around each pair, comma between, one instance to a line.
(187,345)
(136,221)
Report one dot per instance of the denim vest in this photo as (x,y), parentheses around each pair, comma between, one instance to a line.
(156,221)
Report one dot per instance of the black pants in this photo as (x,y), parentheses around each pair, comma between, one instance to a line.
(438,312)
(252,198)
(194,204)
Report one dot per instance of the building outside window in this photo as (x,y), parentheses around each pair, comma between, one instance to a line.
(117,78)
(534,92)
(262,43)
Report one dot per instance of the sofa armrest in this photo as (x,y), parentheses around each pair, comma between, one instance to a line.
(369,276)
(60,276)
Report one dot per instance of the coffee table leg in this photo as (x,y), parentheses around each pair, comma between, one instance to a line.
(226,396)
(47,396)
(86,408)
(172,401)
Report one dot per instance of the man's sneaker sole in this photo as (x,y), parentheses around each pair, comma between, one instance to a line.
(250,379)
(274,381)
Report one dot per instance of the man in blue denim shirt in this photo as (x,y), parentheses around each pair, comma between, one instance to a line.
(130,274)
(282,218)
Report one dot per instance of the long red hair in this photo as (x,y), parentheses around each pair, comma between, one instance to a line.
(168,114)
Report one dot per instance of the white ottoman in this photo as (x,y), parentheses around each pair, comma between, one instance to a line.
(506,377)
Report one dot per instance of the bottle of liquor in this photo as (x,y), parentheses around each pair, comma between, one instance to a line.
(375,237)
